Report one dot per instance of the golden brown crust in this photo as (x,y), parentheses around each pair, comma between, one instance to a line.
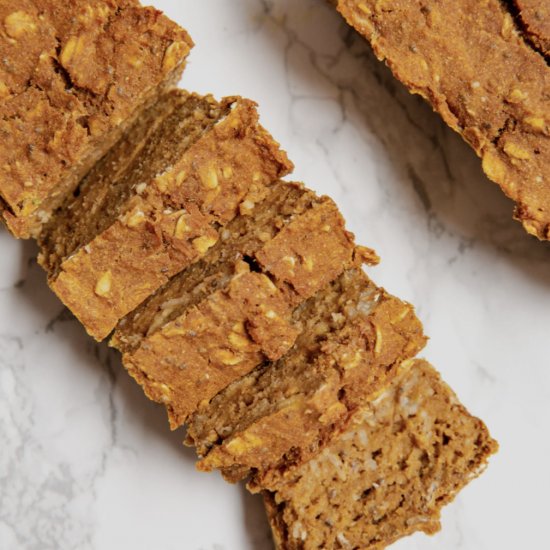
(310,252)
(235,329)
(495,92)
(173,222)
(368,356)
(534,16)
(241,238)
(401,458)
(73,78)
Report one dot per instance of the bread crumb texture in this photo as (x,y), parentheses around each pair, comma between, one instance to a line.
(233,310)
(353,337)
(400,459)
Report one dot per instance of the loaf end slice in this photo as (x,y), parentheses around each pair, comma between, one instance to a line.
(388,474)
(74,78)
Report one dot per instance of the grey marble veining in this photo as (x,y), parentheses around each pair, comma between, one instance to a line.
(86,462)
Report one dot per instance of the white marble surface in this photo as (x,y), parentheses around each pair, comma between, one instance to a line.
(87,463)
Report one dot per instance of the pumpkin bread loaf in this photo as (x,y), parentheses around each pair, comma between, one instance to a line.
(470,61)
(231,311)
(156,203)
(354,335)
(388,474)
(74,77)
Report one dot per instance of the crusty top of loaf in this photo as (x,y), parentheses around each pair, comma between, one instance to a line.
(471,61)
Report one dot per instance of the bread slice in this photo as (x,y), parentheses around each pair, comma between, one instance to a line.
(226,314)
(469,60)
(156,203)
(354,336)
(534,20)
(388,474)
(74,77)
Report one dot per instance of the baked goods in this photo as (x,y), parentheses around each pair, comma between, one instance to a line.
(388,474)
(354,336)
(468,59)
(155,204)
(239,299)
(226,314)
(534,16)
(73,78)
